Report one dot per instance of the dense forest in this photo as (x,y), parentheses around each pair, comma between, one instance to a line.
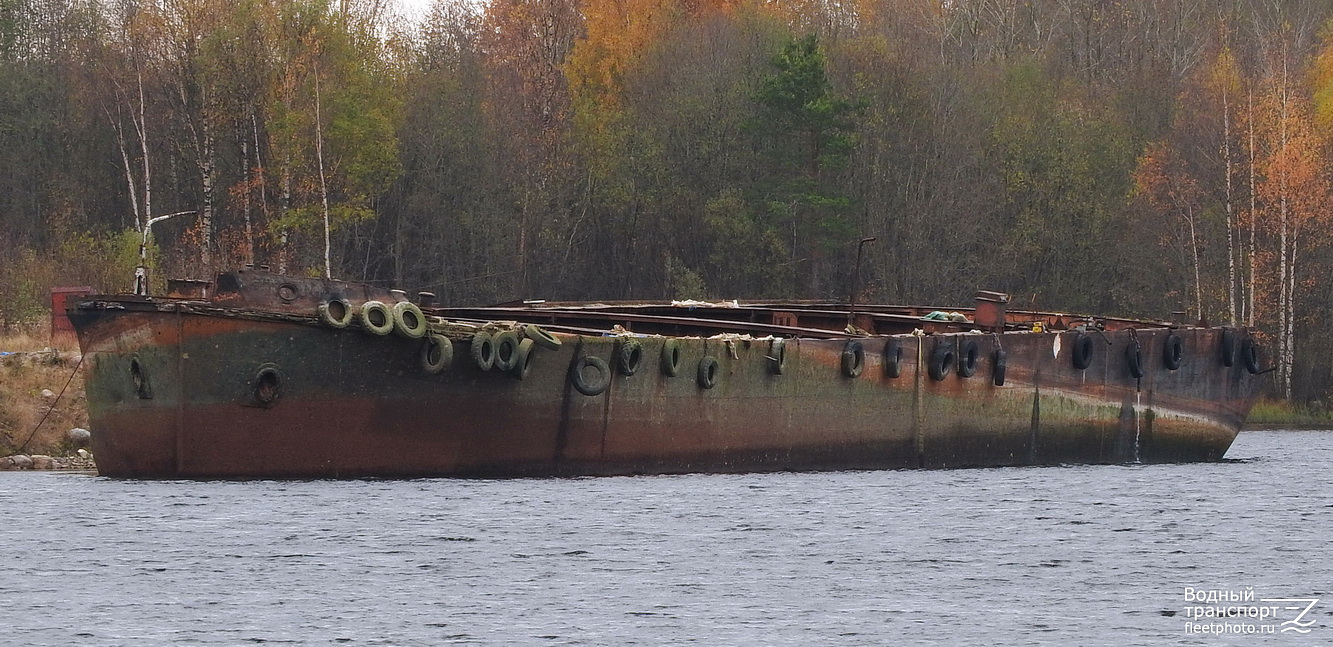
(1137,157)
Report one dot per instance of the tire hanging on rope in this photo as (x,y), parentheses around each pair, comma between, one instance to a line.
(1134,359)
(1082,351)
(853,359)
(1249,355)
(941,361)
(777,356)
(1173,351)
(707,375)
(670,358)
(506,350)
(523,360)
(629,355)
(893,359)
(968,358)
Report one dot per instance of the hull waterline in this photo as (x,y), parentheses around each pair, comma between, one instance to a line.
(224,387)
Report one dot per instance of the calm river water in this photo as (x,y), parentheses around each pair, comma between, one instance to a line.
(1018,556)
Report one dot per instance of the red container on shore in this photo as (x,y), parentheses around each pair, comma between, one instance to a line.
(62,331)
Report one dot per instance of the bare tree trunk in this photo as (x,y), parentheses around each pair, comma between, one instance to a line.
(397,251)
(141,126)
(201,135)
(248,244)
(1254,217)
(284,237)
(524,285)
(1289,323)
(1284,251)
(133,189)
(262,177)
(1232,286)
(207,169)
(323,184)
(1194,250)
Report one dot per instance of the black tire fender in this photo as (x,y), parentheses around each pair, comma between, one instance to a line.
(1082,351)
(1173,351)
(968,356)
(143,388)
(506,350)
(408,320)
(437,353)
(629,355)
(670,358)
(483,350)
(1249,355)
(523,359)
(708,369)
(999,363)
(1134,359)
(941,360)
(376,318)
(590,385)
(853,359)
(893,358)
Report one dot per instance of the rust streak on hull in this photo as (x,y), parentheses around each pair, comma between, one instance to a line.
(251,384)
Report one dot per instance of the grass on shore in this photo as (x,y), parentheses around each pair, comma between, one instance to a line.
(27,339)
(25,371)
(1279,413)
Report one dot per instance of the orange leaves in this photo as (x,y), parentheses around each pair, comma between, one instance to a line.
(1292,162)
(1292,197)
(526,44)
(616,33)
(1162,179)
(1232,124)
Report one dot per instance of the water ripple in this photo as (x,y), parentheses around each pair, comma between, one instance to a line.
(1090,555)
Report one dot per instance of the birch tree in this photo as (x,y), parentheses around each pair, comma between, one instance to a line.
(334,118)
(1294,195)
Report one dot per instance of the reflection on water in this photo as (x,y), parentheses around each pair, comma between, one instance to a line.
(1090,555)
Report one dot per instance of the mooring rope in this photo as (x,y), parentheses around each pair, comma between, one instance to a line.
(53,404)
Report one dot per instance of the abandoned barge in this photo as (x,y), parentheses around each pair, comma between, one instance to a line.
(263,375)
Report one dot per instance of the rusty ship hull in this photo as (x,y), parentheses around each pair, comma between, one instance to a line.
(253,378)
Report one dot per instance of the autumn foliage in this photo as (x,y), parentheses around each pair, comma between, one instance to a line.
(1126,157)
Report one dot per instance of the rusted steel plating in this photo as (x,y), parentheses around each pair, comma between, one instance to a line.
(263,375)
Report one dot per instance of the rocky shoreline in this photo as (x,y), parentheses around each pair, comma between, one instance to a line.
(47,463)
(43,413)
(82,460)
